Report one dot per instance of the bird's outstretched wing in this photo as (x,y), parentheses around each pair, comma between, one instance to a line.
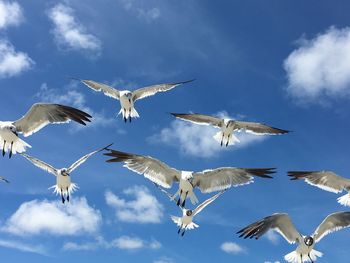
(151,90)
(42,114)
(200,119)
(3,179)
(38,163)
(333,222)
(257,128)
(84,158)
(107,90)
(153,169)
(325,180)
(199,208)
(225,177)
(280,223)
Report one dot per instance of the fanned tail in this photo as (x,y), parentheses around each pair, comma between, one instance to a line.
(177,220)
(232,140)
(18,146)
(344,200)
(71,189)
(126,114)
(294,257)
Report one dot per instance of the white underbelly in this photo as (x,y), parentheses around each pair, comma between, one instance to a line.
(185,186)
(125,103)
(63,182)
(187,220)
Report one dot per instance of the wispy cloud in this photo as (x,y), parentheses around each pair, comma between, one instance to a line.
(123,242)
(12,62)
(51,217)
(197,140)
(273,237)
(319,68)
(69,33)
(23,246)
(232,248)
(141,9)
(164,260)
(145,208)
(11,14)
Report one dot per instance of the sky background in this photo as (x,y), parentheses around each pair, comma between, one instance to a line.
(284,63)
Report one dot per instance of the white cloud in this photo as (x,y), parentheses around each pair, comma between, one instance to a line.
(51,217)
(197,140)
(76,99)
(69,33)
(12,62)
(23,247)
(320,67)
(145,208)
(123,242)
(143,12)
(273,237)
(232,248)
(10,14)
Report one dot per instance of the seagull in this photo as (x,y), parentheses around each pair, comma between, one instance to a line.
(186,221)
(64,185)
(326,180)
(228,126)
(39,115)
(128,98)
(282,224)
(207,181)
(4,179)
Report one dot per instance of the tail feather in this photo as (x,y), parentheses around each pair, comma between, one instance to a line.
(19,146)
(177,220)
(133,113)
(294,257)
(344,200)
(220,139)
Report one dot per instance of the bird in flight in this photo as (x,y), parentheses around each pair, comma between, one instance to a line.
(39,115)
(227,126)
(207,181)
(282,224)
(128,98)
(326,180)
(64,186)
(186,221)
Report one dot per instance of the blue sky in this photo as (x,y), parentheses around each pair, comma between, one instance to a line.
(284,63)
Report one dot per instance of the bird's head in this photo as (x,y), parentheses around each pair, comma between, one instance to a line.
(64,172)
(189,212)
(309,241)
(13,129)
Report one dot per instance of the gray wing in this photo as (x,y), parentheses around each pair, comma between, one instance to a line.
(206,202)
(257,128)
(225,177)
(200,119)
(325,180)
(153,169)
(84,158)
(151,90)
(4,179)
(107,90)
(38,163)
(280,223)
(333,222)
(42,114)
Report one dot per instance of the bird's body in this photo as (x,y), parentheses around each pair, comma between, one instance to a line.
(127,108)
(39,115)
(226,135)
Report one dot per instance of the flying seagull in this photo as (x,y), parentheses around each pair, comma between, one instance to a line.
(325,180)
(128,98)
(186,221)
(228,127)
(39,115)
(207,181)
(282,224)
(64,185)
(4,179)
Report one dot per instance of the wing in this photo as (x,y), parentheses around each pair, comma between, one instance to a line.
(332,223)
(225,177)
(151,90)
(84,158)
(280,223)
(4,179)
(325,180)
(38,163)
(153,169)
(107,90)
(257,128)
(42,114)
(206,202)
(200,119)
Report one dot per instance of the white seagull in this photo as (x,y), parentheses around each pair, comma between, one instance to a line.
(39,115)
(128,98)
(228,127)
(325,180)
(207,181)
(64,185)
(3,179)
(282,224)
(186,221)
